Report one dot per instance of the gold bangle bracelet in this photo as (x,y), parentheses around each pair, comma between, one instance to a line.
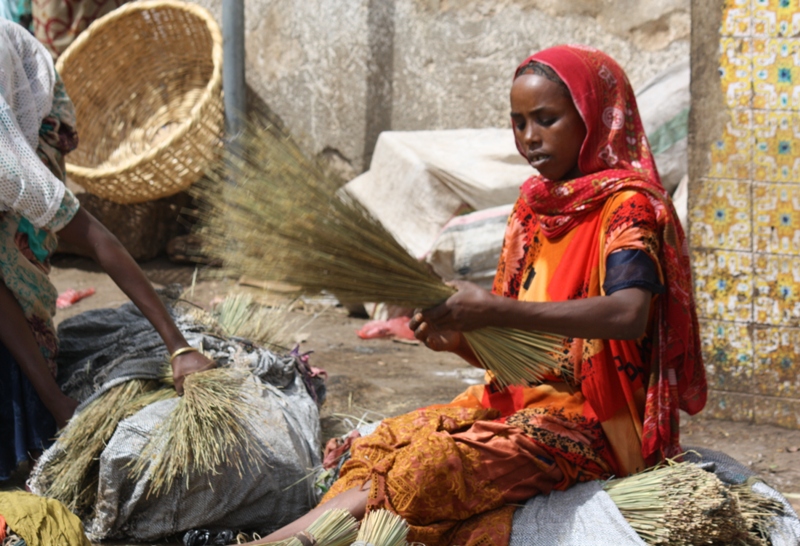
(182,350)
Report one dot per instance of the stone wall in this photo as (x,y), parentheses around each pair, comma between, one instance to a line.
(340,72)
(744,205)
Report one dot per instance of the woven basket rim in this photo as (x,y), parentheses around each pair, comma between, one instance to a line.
(210,92)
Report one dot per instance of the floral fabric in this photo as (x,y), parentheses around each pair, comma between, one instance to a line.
(56,23)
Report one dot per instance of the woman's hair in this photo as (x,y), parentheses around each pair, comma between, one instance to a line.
(539,69)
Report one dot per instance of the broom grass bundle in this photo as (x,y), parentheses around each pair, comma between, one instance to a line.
(681,504)
(758,511)
(72,477)
(206,431)
(333,528)
(382,528)
(271,213)
(238,315)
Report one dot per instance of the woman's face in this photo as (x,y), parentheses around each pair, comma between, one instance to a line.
(547,126)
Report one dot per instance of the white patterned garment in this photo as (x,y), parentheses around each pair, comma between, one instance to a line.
(27,79)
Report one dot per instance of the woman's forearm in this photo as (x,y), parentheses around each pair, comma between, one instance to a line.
(17,337)
(92,238)
(622,315)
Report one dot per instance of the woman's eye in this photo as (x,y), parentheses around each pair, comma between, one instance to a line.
(519,124)
(547,122)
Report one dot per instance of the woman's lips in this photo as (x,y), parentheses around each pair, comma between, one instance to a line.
(537,160)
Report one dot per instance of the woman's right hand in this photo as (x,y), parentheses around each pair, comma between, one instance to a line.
(437,340)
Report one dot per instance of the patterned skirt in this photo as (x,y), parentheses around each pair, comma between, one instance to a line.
(453,472)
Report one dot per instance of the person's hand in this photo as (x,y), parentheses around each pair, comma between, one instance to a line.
(470,308)
(189,363)
(434,339)
(62,409)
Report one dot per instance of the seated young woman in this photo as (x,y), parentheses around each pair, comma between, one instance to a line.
(593,252)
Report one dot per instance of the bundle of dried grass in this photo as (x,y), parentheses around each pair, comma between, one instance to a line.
(382,528)
(238,315)
(271,213)
(206,430)
(758,511)
(681,504)
(72,478)
(333,528)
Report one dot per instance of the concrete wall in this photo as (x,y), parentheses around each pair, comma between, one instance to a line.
(338,72)
(744,205)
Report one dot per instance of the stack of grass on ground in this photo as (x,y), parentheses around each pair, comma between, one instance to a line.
(681,504)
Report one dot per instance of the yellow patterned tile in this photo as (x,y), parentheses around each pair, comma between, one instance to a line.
(729,405)
(736,18)
(777,361)
(723,284)
(774,411)
(776,218)
(736,71)
(731,155)
(776,18)
(776,153)
(720,215)
(728,355)
(776,74)
(777,290)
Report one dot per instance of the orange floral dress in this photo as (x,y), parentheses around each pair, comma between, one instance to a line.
(452,470)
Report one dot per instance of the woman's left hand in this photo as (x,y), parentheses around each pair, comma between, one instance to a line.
(189,363)
(470,308)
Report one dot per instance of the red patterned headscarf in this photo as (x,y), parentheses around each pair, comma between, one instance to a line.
(616,156)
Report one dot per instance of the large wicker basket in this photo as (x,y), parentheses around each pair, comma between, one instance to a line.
(146,80)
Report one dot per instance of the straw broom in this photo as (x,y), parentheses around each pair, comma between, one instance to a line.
(333,528)
(382,528)
(271,213)
(681,504)
(72,478)
(206,431)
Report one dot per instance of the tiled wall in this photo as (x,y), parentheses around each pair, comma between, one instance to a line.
(745,211)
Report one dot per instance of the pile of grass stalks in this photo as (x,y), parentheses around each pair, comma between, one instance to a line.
(72,477)
(271,213)
(382,528)
(681,504)
(333,528)
(239,316)
(206,431)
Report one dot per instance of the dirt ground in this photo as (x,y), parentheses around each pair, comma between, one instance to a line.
(371,379)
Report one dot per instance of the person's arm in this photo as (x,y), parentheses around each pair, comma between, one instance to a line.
(622,315)
(92,238)
(17,337)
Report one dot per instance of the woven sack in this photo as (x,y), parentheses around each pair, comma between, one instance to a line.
(146,83)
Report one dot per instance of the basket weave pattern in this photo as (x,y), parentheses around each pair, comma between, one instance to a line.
(146,80)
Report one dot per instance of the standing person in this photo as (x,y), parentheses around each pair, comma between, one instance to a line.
(593,252)
(37,127)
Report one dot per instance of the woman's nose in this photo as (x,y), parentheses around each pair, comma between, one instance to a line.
(532,134)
